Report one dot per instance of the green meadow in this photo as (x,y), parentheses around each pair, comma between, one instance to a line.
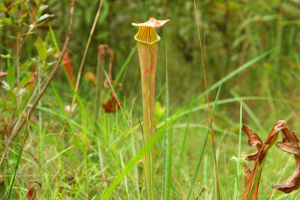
(92,107)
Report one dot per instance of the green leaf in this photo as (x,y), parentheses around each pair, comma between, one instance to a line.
(2,7)
(42,50)
(10,78)
(6,20)
(37,2)
(104,12)
(159,109)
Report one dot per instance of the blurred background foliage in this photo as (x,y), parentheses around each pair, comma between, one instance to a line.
(233,31)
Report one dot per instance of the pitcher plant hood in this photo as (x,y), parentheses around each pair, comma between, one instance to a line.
(146,33)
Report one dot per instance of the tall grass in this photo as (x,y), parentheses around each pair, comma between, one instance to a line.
(201,152)
(210,115)
(238,185)
(18,155)
(84,156)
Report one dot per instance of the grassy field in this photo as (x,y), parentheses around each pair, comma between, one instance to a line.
(250,53)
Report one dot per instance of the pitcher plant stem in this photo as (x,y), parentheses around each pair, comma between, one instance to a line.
(147,43)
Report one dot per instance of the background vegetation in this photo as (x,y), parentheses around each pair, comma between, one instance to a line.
(63,153)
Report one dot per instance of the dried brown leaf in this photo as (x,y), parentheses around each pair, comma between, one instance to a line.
(102,49)
(253,140)
(289,149)
(291,184)
(278,126)
(252,179)
(112,105)
(31,193)
(68,68)
(290,144)
(247,174)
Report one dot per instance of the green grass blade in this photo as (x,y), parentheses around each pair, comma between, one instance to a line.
(183,144)
(136,173)
(133,161)
(167,143)
(54,39)
(235,72)
(128,59)
(125,178)
(182,113)
(202,151)
(12,181)
(251,115)
(237,176)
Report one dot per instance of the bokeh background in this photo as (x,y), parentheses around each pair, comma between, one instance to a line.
(233,32)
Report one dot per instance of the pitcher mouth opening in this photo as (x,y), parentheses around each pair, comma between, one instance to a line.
(146,33)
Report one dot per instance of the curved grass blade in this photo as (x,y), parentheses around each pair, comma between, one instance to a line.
(235,72)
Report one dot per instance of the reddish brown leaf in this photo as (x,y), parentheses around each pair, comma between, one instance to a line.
(101,56)
(2,74)
(253,140)
(278,126)
(253,180)
(112,105)
(31,194)
(291,184)
(290,144)
(289,136)
(247,174)
(68,68)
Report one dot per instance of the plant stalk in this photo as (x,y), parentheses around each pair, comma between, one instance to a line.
(100,65)
(147,40)
(148,57)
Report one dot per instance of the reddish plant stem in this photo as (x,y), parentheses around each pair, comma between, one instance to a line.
(86,50)
(18,67)
(208,102)
(148,57)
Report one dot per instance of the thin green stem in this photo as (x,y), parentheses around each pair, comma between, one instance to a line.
(167,143)
(237,181)
(100,64)
(202,149)
(208,102)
